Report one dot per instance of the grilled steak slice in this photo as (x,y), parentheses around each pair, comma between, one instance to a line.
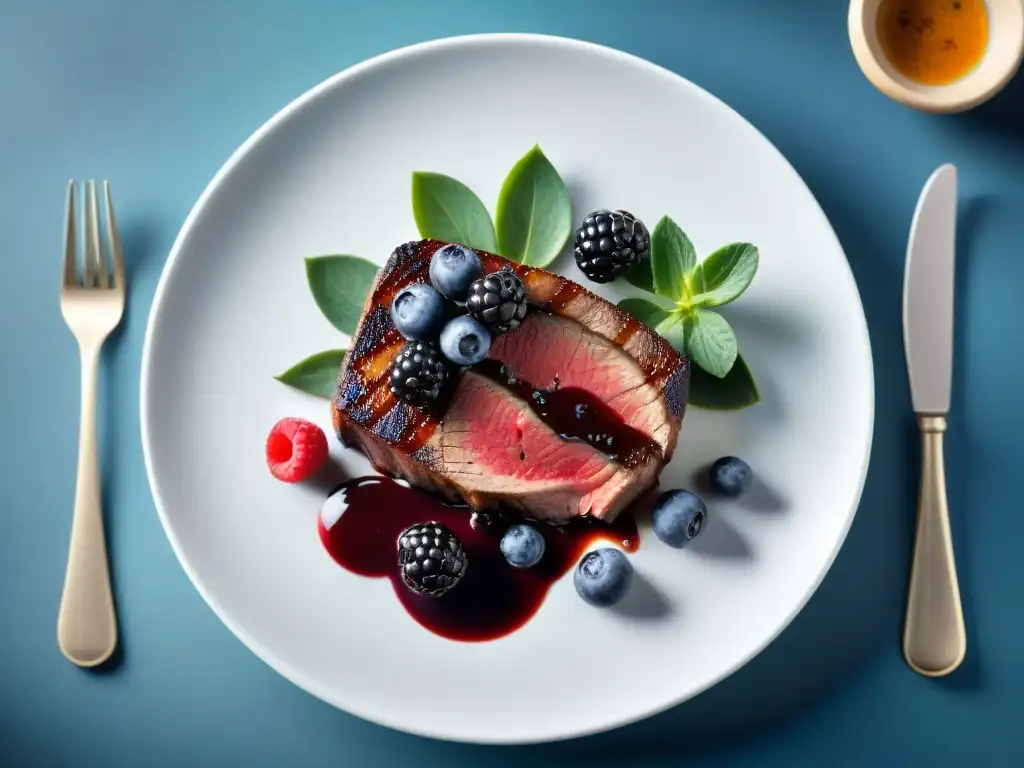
(495,436)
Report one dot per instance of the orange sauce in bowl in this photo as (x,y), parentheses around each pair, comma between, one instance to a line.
(933,42)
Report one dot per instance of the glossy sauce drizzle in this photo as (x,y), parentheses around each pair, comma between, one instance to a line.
(361,522)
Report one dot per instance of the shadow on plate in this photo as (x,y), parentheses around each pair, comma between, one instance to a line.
(644,602)
(777,327)
(721,540)
(778,334)
(578,190)
(327,480)
(761,496)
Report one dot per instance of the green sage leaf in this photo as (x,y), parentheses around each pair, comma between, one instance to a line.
(641,276)
(340,285)
(725,275)
(695,280)
(710,341)
(316,374)
(735,391)
(647,312)
(533,219)
(446,209)
(673,328)
(672,258)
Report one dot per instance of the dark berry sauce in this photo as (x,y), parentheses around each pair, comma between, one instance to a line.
(493,599)
(575,414)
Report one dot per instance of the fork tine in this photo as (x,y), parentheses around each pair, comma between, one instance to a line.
(97,264)
(89,250)
(115,238)
(70,255)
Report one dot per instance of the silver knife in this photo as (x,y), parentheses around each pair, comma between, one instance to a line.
(934,638)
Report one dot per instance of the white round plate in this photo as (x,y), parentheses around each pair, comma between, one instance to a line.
(331,174)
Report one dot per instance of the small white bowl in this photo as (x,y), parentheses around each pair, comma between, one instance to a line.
(997,67)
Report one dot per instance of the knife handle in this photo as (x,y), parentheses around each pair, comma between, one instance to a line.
(934,638)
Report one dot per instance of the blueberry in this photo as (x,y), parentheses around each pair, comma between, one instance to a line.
(678,517)
(603,577)
(453,268)
(730,476)
(522,546)
(418,311)
(464,341)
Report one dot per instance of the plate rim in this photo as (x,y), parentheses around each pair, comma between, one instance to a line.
(293,108)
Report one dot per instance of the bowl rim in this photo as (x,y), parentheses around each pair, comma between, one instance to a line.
(963,94)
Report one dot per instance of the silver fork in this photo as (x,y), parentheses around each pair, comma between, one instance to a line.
(92,302)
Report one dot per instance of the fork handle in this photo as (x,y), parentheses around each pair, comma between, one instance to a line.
(934,638)
(86,625)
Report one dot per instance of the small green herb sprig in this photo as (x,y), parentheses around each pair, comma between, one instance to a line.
(531,225)
(720,378)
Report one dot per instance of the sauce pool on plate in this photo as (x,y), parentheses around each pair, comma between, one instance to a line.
(933,42)
(362,520)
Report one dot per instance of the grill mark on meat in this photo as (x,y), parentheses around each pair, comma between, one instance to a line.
(629,329)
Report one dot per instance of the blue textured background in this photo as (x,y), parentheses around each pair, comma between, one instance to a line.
(156,95)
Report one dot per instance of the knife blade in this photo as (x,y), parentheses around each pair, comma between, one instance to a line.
(928,293)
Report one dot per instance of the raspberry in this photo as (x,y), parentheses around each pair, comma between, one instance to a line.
(296,448)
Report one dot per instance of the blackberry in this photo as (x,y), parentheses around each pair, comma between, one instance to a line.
(431,559)
(610,242)
(418,373)
(498,300)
